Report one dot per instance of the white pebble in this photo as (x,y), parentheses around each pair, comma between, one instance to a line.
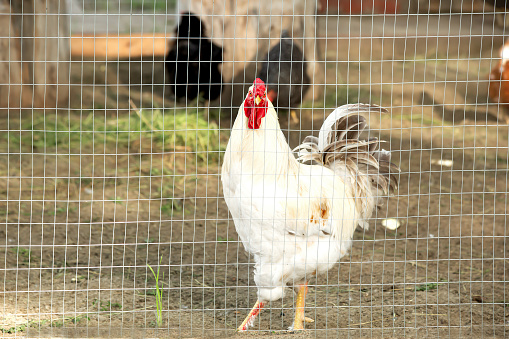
(392,224)
(442,162)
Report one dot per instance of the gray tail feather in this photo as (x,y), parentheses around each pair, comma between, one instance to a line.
(343,146)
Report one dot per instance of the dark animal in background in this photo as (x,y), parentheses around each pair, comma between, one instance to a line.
(498,89)
(193,62)
(285,73)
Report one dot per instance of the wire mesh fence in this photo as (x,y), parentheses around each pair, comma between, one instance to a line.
(115,118)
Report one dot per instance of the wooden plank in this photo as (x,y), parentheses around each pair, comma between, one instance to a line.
(111,47)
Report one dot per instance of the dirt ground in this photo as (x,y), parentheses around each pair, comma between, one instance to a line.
(81,226)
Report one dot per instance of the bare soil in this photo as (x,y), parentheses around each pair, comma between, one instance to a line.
(80,227)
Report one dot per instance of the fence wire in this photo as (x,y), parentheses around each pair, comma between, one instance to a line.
(115,118)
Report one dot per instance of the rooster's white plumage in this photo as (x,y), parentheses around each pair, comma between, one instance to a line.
(298,220)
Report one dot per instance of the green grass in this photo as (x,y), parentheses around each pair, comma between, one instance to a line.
(180,130)
(223,239)
(158,172)
(159,294)
(135,5)
(171,205)
(39,323)
(117,200)
(105,306)
(60,210)
(74,320)
(24,254)
(427,287)
(157,5)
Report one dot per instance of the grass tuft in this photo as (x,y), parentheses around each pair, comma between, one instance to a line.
(159,294)
(40,323)
(426,287)
(105,306)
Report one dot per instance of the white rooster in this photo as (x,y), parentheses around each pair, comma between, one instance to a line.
(298,220)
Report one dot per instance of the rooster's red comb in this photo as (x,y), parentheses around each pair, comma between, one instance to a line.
(259,83)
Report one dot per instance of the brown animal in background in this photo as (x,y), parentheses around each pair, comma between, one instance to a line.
(498,89)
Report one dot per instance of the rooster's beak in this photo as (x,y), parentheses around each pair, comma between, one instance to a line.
(258,100)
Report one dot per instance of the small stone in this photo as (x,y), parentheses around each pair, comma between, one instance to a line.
(392,224)
(442,162)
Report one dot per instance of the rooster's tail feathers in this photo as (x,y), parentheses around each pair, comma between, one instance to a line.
(339,147)
(345,123)
(308,150)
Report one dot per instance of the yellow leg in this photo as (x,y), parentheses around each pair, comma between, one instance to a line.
(251,316)
(298,323)
(294,117)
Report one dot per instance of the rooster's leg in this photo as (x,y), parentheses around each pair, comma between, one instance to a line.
(294,117)
(298,323)
(251,316)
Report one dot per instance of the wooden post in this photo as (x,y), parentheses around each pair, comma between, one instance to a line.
(10,61)
(38,40)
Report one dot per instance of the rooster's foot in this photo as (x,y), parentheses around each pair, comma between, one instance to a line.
(299,326)
(251,317)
